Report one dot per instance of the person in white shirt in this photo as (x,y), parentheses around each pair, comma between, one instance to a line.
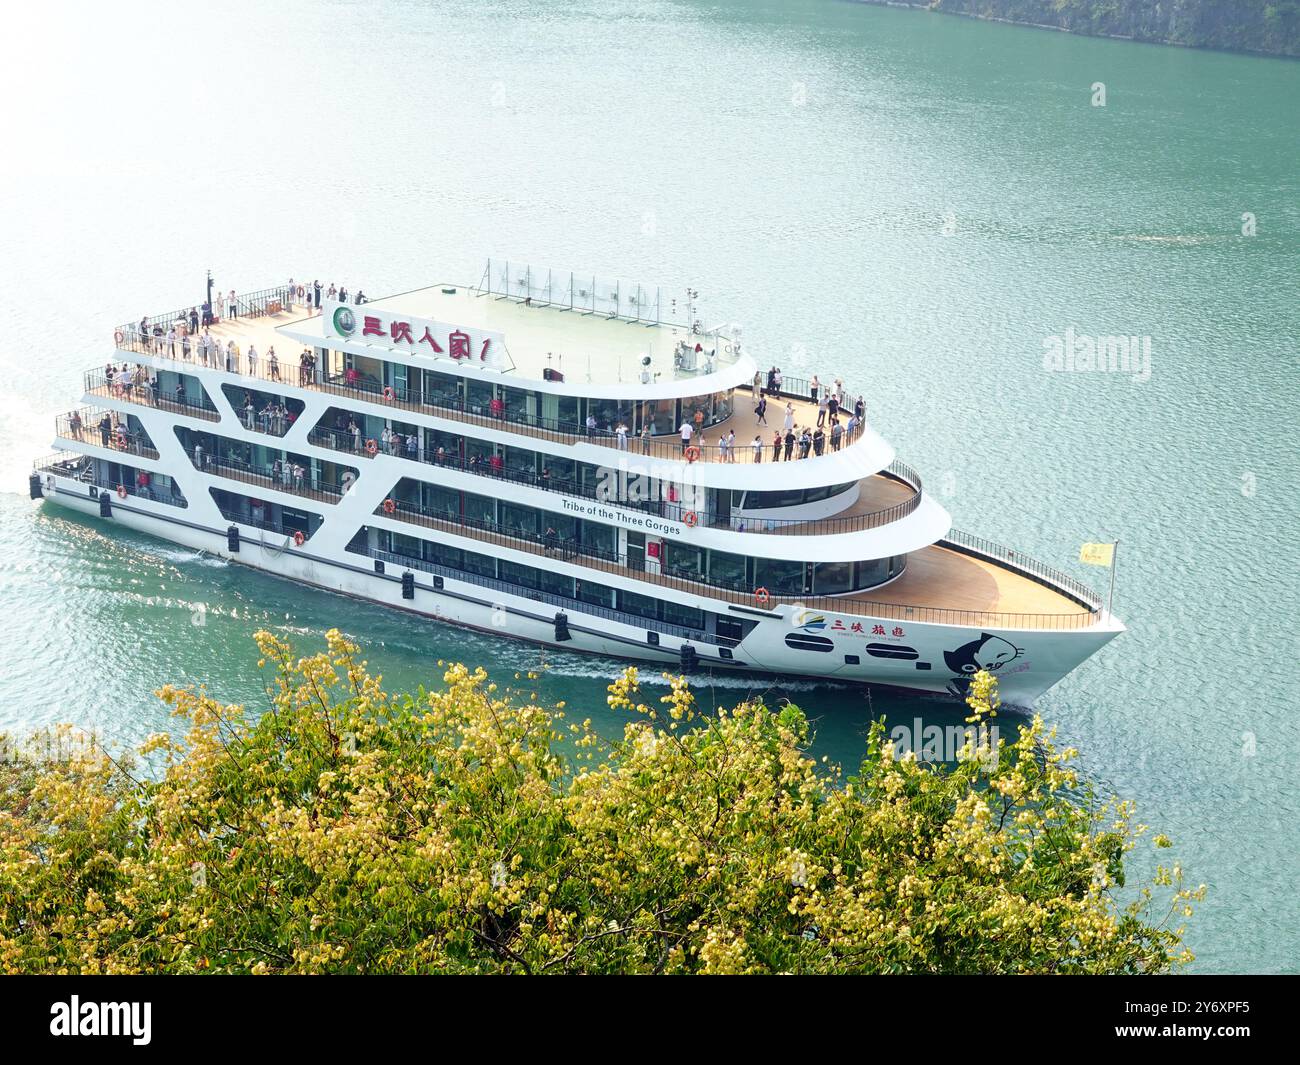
(788,424)
(758,449)
(687,431)
(252,361)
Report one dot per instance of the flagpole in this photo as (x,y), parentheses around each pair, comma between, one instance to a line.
(1114,561)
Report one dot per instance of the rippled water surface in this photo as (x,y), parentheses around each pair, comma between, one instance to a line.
(912,202)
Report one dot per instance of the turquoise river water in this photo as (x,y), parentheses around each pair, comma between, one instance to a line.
(914,202)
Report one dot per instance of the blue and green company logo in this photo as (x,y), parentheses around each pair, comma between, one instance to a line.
(345,322)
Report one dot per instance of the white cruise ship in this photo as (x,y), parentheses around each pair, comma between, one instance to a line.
(510,456)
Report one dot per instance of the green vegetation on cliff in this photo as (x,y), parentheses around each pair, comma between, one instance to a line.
(349,830)
(1267,26)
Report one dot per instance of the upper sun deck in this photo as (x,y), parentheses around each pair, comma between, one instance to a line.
(553,346)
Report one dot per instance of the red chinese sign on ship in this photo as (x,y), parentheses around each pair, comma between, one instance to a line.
(419,335)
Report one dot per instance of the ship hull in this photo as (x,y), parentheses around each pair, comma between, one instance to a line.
(922,657)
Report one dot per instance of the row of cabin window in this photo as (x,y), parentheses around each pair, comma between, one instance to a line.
(543,580)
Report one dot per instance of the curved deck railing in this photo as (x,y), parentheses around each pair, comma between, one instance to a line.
(853,604)
(345,442)
(441,404)
(83,425)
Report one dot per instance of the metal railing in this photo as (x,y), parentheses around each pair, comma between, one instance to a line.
(81,468)
(852,604)
(291,477)
(147,394)
(248,305)
(495,415)
(352,444)
(1027,565)
(87,426)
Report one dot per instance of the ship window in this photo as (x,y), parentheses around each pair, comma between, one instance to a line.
(870,572)
(590,592)
(485,565)
(479,396)
(406,545)
(518,520)
(597,539)
(441,501)
(517,574)
(683,560)
(803,642)
(779,576)
(557,583)
(641,605)
(479,509)
(892,650)
(727,570)
(444,555)
(832,577)
(851,660)
(678,614)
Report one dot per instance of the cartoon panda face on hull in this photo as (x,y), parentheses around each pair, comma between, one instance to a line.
(988,652)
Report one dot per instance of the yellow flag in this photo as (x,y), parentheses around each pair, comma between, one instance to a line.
(1097,554)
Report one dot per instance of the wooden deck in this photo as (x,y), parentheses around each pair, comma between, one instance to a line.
(939,577)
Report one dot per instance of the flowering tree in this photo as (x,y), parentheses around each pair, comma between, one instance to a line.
(460,830)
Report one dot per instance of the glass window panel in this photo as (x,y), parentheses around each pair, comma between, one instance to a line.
(727,570)
(779,576)
(517,574)
(641,605)
(591,592)
(830,578)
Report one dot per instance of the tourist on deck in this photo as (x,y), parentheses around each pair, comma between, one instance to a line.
(776,446)
(232,305)
(142,484)
(833,407)
(860,409)
(814,389)
(199,457)
(413,447)
(852,429)
(758,448)
(126,380)
(789,444)
(819,441)
(290,290)
(497,408)
(776,387)
(591,426)
(315,285)
(74,424)
(687,430)
(386,439)
(645,439)
(252,360)
(837,434)
(171,343)
(771,379)
(361,297)
(194,319)
(756,386)
(805,443)
(621,433)
(299,474)
(105,429)
(231,356)
(731,446)
(273,364)
(788,423)
(760,412)
(144,329)
(333,292)
(185,347)
(343,293)
(822,405)
(724,448)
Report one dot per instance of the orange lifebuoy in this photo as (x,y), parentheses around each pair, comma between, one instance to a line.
(691,518)
(389,394)
(371,446)
(118,337)
(762,596)
(389,506)
(692,453)
(299,539)
(121,491)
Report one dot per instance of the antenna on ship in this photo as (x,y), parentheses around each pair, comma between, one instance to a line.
(209,290)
